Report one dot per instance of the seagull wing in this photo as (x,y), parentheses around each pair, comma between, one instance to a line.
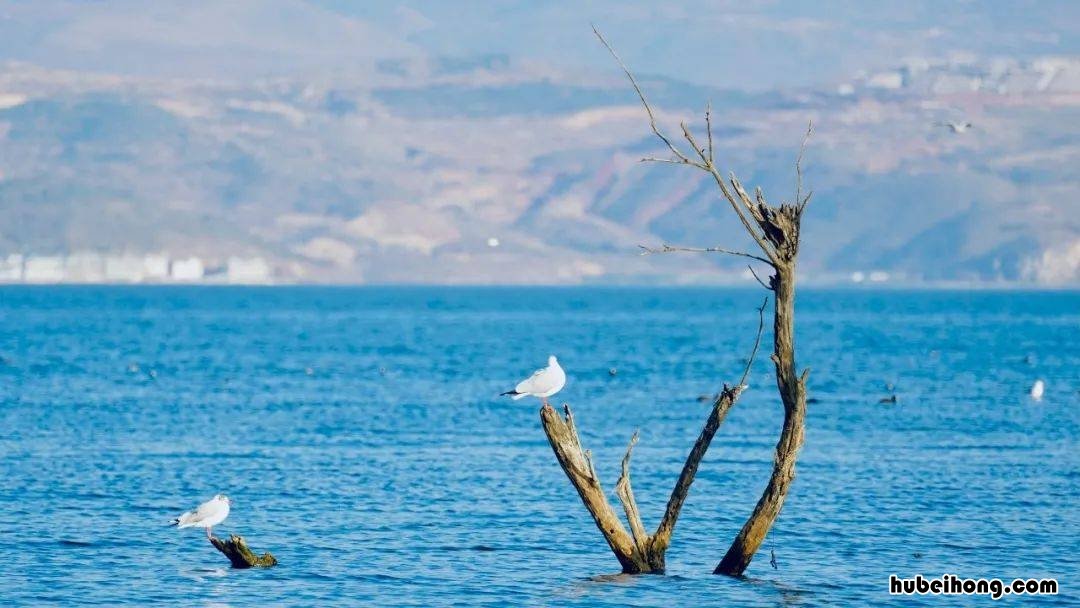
(206,511)
(541,381)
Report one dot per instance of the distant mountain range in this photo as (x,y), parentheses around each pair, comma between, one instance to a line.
(488,168)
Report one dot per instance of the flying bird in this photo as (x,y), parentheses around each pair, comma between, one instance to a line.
(543,383)
(956,127)
(1037,390)
(208,515)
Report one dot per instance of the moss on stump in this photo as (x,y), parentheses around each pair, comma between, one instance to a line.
(240,555)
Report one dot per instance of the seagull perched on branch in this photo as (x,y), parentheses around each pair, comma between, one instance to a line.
(207,515)
(543,383)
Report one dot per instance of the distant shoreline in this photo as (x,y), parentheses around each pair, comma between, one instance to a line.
(816,286)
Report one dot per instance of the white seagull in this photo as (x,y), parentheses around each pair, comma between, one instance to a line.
(208,515)
(543,383)
(1037,390)
(957,127)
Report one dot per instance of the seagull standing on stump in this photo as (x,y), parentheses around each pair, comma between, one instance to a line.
(208,515)
(543,383)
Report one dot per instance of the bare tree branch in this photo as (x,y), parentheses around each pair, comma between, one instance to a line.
(757,278)
(626,496)
(708,128)
(699,150)
(641,96)
(757,340)
(760,198)
(754,232)
(706,163)
(665,248)
(708,166)
(638,552)
(744,197)
(562,435)
(651,159)
(592,467)
(723,404)
(799,200)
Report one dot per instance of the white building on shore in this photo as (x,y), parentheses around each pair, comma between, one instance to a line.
(187,269)
(248,271)
(156,267)
(95,267)
(124,269)
(11,268)
(84,267)
(43,269)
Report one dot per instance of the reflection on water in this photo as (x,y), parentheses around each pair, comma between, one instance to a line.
(360,433)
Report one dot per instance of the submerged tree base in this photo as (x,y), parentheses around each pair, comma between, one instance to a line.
(240,555)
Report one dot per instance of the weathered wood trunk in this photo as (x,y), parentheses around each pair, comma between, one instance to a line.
(637,551)
(721,406)
(240,556)
(577,464)
(775,230)
(792,389)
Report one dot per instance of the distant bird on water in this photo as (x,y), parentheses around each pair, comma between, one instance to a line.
(207,515)
(543,383)
(1037,390)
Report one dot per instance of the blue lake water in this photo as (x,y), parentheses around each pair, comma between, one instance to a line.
(359,435)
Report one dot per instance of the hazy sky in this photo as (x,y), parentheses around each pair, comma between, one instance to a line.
(745,44)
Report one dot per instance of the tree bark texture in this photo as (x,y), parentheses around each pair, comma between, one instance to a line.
(775,230)
(637,551)
(792,390)
(240,556)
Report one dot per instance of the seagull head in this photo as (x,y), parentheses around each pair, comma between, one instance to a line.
(223,498)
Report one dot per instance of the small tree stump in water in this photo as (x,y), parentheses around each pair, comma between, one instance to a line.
(240,555)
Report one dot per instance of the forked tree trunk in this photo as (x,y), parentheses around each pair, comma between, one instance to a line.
(775,230)
(240,556)
(637,551)
(792,390)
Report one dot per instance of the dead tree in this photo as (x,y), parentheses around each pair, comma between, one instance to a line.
(240,556)
(638,552)
(775,230)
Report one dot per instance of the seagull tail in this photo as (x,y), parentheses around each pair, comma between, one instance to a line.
(513,394)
